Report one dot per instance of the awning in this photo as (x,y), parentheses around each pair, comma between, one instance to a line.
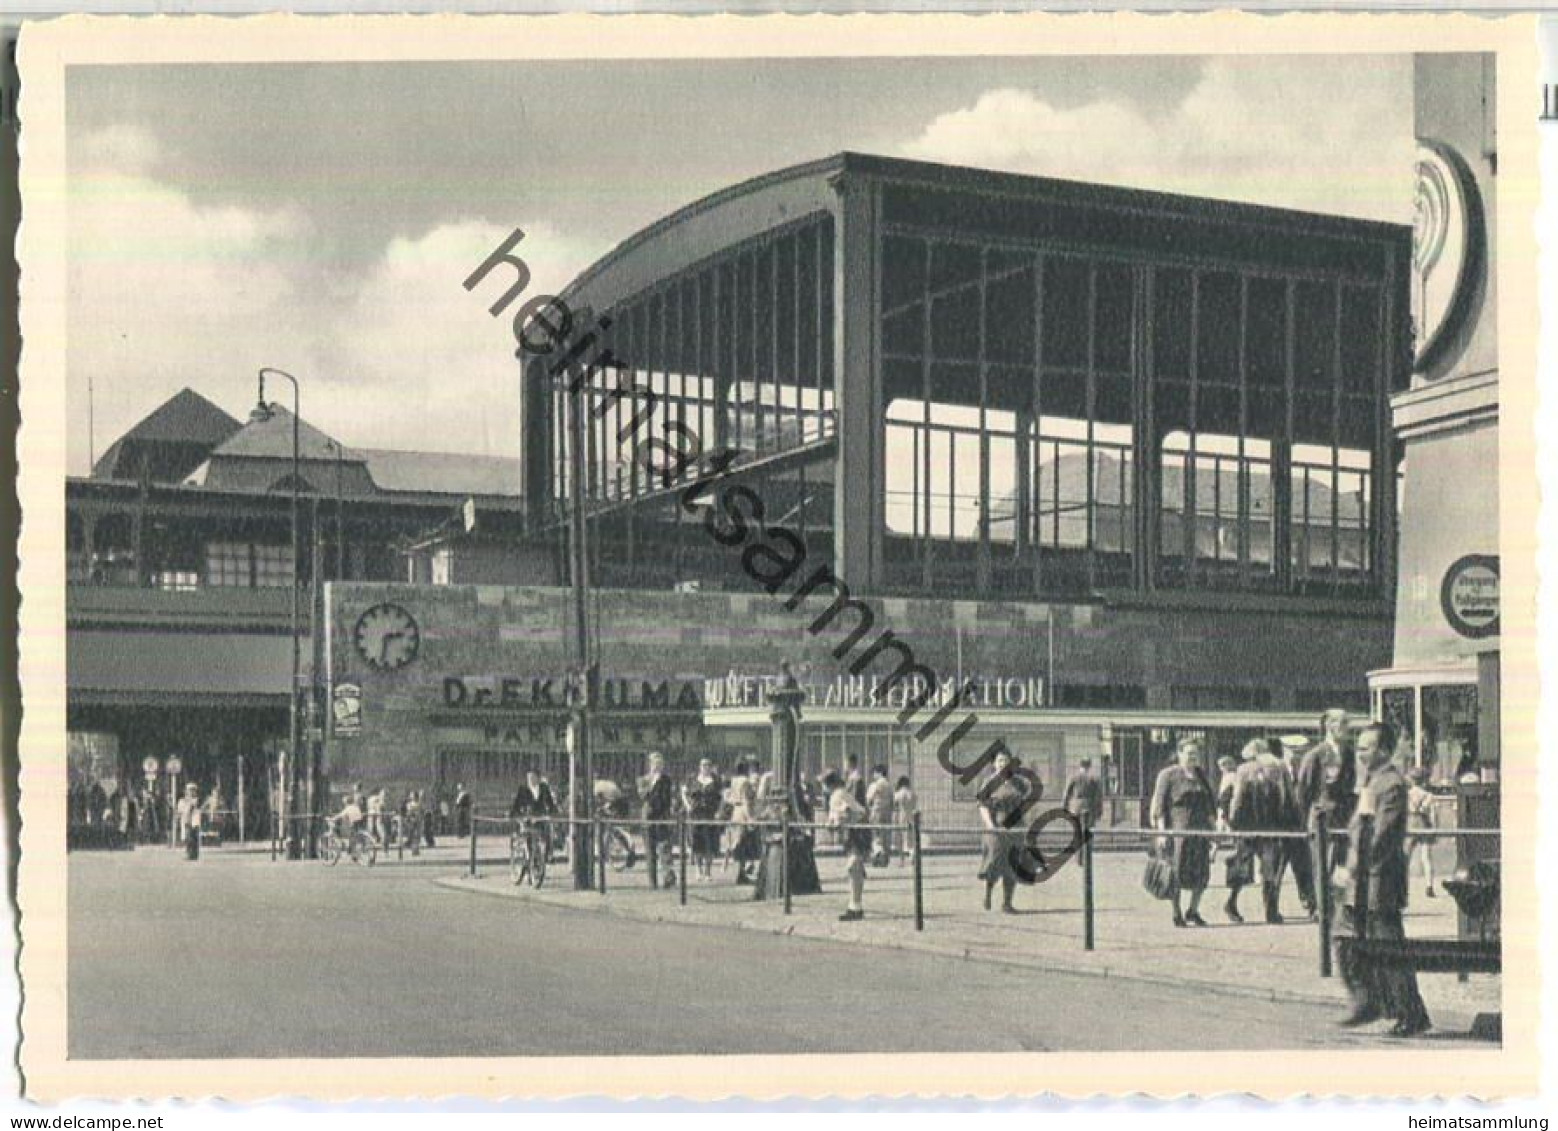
(171,666)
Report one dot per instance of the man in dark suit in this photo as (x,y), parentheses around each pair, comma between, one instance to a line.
(1326,783)
(1328,774)
(659,798)
(1379,828)
(1299,853)
(1262,802)
(1084,797)
(534,798)
(534,801)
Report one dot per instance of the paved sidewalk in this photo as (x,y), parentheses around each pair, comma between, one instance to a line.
(1135,938)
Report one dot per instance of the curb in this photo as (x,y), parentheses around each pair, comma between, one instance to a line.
(464,884)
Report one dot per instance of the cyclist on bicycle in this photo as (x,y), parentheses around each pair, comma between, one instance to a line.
(533,803)
(611,803)
(347,821)
(609,799)
(350,817)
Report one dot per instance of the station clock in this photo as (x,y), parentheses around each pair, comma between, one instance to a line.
(387,637)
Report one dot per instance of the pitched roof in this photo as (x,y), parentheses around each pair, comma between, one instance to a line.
(441,472)
(184,418)
(271,438)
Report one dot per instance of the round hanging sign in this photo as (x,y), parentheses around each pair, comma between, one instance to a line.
(1469,596)
(1447,249)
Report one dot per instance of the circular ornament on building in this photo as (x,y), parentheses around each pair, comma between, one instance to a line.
(1469,596)
(387,637)
(1448,239)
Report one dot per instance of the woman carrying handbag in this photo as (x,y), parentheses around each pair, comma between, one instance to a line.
(1182,801)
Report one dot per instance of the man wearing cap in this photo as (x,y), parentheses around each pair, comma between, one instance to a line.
(1084,797)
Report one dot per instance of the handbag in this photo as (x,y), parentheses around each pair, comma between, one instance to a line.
(1158,877)
(1239,870)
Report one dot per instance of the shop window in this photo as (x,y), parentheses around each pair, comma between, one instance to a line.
(1449,739)
(176,580)
(1124,772)
(1398,707)
(248,565)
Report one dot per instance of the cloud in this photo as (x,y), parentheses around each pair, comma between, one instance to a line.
(165,293)
(123,147)
(1324,135)
(420,352)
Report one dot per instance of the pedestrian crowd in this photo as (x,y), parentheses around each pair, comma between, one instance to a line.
(1266,801)
(1349,776)
(408,824)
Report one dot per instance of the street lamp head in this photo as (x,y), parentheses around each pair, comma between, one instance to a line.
(260,413)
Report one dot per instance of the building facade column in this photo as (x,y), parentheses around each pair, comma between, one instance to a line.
(860,485)
(535,425)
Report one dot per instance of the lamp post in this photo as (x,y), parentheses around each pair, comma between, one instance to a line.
(340,541)
(289,788)
(175,768)
(581,768)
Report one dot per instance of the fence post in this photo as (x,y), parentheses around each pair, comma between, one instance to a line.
(681,876)
(654,863)
(784,855)
(919,876)
(599,832)
(473,842)
(1321,854)
(1087,881)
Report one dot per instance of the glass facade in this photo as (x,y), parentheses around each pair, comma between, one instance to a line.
(736,352)
(1037,389)
(1063,422)
(1436,724)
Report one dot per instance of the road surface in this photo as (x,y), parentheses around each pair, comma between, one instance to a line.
(236,956)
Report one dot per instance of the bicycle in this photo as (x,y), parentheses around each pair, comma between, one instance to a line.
(529,851)
(621,852)
(357,844)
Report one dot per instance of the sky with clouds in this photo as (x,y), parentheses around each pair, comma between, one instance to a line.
(321,217)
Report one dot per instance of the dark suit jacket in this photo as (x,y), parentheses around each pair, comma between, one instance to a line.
(528,804)
(1084,795)
(1312,790)
(1262,796)
(658,798)
(1310,779)
(1386,861)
